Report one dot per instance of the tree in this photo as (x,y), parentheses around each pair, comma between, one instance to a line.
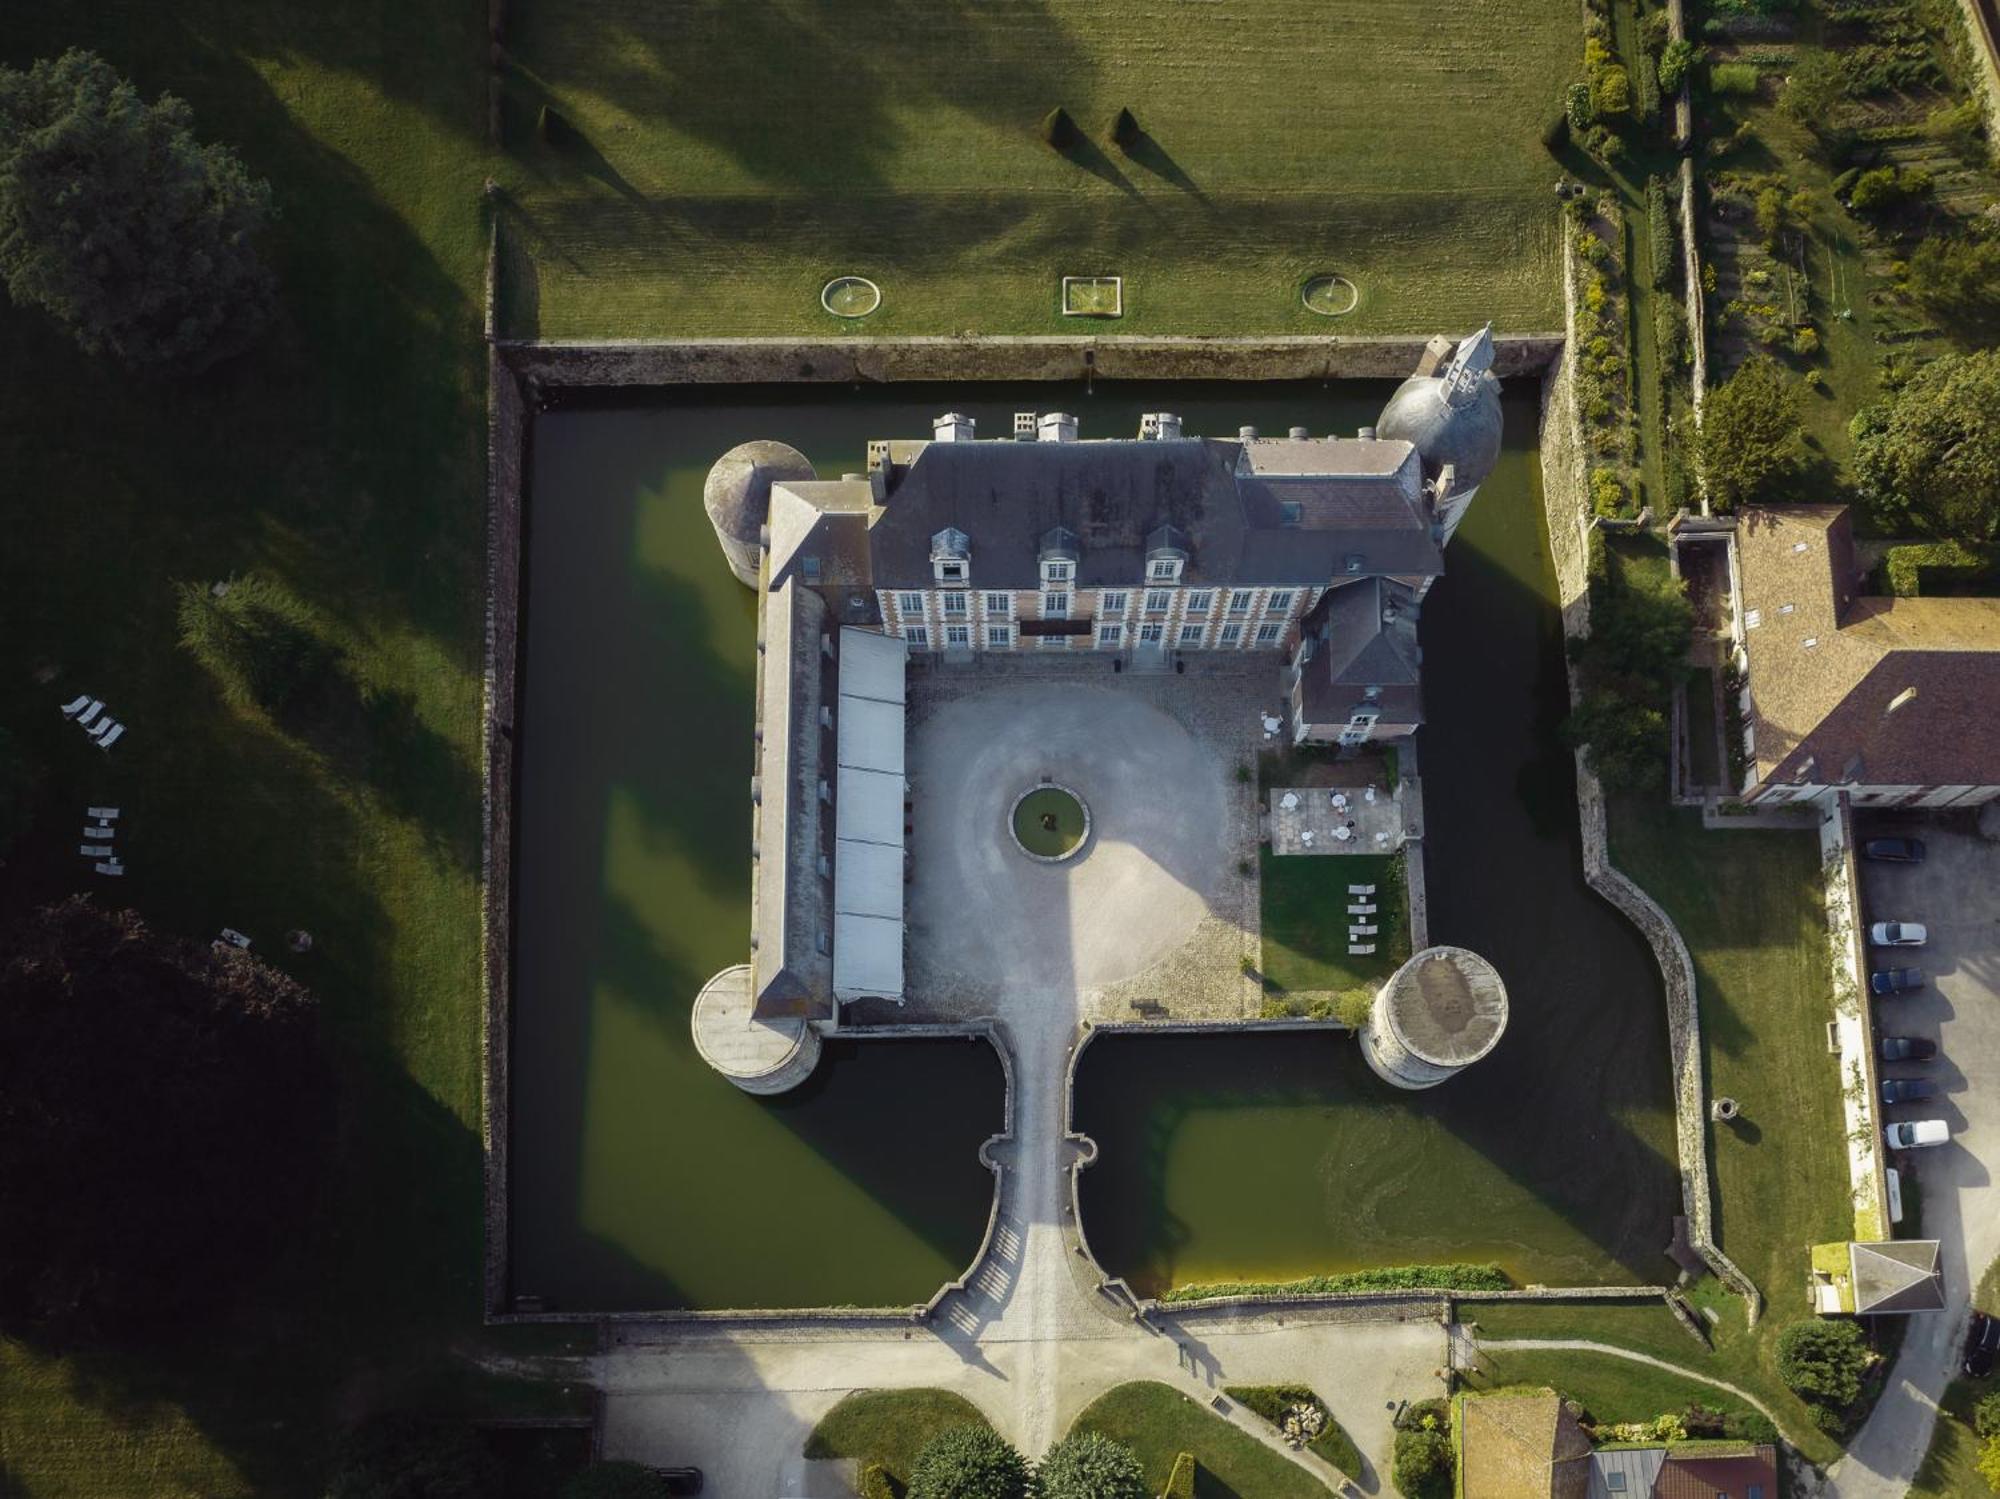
(1823,1360)
(616,1480)
(1752,435)
(1675,60)
(1882,190)
(1957,279)
(1613,94)
(1090,1465)
(256,639)
(408,1457)
(1422,1465)
(166,1109)
(119,224)
(1580,108)
(1624,741)
(968,1462)
(1930,456)
(1813,89)
(1989,1462)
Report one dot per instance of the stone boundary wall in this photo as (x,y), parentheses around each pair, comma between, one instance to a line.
(1441,1302)
(1565,496)
(807,1317)
(1860,1084)
(1038,357)
(1984,43)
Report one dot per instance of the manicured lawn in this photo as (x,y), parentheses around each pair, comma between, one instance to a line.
(889,1427)
(1704,763)
(733,159)
(1951,1466)
(1305,919)
(342,456)
(1158,1423)
(1609,1388)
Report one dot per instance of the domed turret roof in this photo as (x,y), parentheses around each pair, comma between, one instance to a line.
(1452,417)
(737,495)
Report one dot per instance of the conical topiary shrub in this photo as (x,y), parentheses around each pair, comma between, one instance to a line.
(1125,131)
(1059,130)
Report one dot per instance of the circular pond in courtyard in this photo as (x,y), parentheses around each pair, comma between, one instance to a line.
(850,296)
(1330,296)
(1049,822)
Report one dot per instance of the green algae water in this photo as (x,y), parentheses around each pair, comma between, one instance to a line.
(1275,1157)
(642,1181)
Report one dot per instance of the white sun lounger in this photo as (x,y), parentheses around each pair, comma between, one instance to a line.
(1362,931)
(1364,908)
(103,814)
(70,710)
(105,741)
(100,830)
(112,867)
(89,715)
(1360,889)
(97,850)
(1361,951)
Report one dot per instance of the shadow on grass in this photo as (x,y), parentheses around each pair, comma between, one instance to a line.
(1150,154)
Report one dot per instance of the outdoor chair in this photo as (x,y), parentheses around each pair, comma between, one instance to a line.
(103,814)
(97,850)
(111,867)
(100,830)
(1360,889)
(107,740)
(1362,950)
(70,710)
(89,714)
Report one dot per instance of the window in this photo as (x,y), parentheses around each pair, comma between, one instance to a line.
(1268,634)
(1163,571)
(1055,606)
(1754,1491)
(951,572)
(1239,600)
(910,603)
(1054,642)
(1158,600)
(1058,572)
(1614,1482)
(1112,635)
(1001,604)
(1149,634)
(1281,601)
(954,601)
(1232,634)
(958,635)
(918,636)
(1810,641)
(1786,608)
(1753,619)
(1113,602)
(809,569)
(1201,601)
(1290,512)
(1191,634)
(999,637)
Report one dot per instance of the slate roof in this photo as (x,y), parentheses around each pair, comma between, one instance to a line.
(1522,1447)
(1279,512)
(1718,1475)
(1356,648)
(1898,1275)
(1836,710)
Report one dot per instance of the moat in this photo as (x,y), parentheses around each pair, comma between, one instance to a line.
(641,1180)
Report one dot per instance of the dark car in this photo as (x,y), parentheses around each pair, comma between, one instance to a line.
(1982,1341)
(1894,850)
(680,1481)
(1907,1089)
(1907,1049)
(1895,980)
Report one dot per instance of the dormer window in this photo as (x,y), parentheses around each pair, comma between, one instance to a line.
(951,572)
(951,555)
(1058,572)
(1163,570)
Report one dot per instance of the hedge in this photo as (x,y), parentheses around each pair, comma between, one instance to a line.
(1904,567)
(1659,232)
(1389,1278)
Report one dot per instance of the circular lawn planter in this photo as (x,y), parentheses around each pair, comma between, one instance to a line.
(1330,296)
(1049,823)
(850,296)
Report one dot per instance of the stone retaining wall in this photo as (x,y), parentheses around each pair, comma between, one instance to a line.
(1053,357)
(1565,496)
(1860,1083)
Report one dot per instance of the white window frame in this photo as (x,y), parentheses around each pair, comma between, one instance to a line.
(1111,635)
(1232,634)
(1165,570)
(918,636)
(1201,601)
(957,608)
(959,636)
(1055,605)
(1191,634)
(1113,601)
(1151,634)
(999,637)
(1159,600)
(1058,572)
(909,602)
(1052,642)
(1242,600)
(1001,604)
(1269,632)
(951,571)
(1281,601)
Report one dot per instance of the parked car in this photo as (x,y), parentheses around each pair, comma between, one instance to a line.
(1898,934)
(1912,1134)
(1895,980)
(1907,1089)
(1894,850)
(1907,1049)
(1982,1341)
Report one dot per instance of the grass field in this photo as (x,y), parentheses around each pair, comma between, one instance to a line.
(343,457)
(1304,901)
(889,1427)
(722,162)
(1158,1423)
(1950,1469)
(1609,1388)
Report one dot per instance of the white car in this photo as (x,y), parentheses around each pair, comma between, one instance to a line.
(1914,1133)
(1898,934)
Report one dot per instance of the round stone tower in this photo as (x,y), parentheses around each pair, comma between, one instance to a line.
(1439,1013)
(759,1054)
(1452,419)
(737,497)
